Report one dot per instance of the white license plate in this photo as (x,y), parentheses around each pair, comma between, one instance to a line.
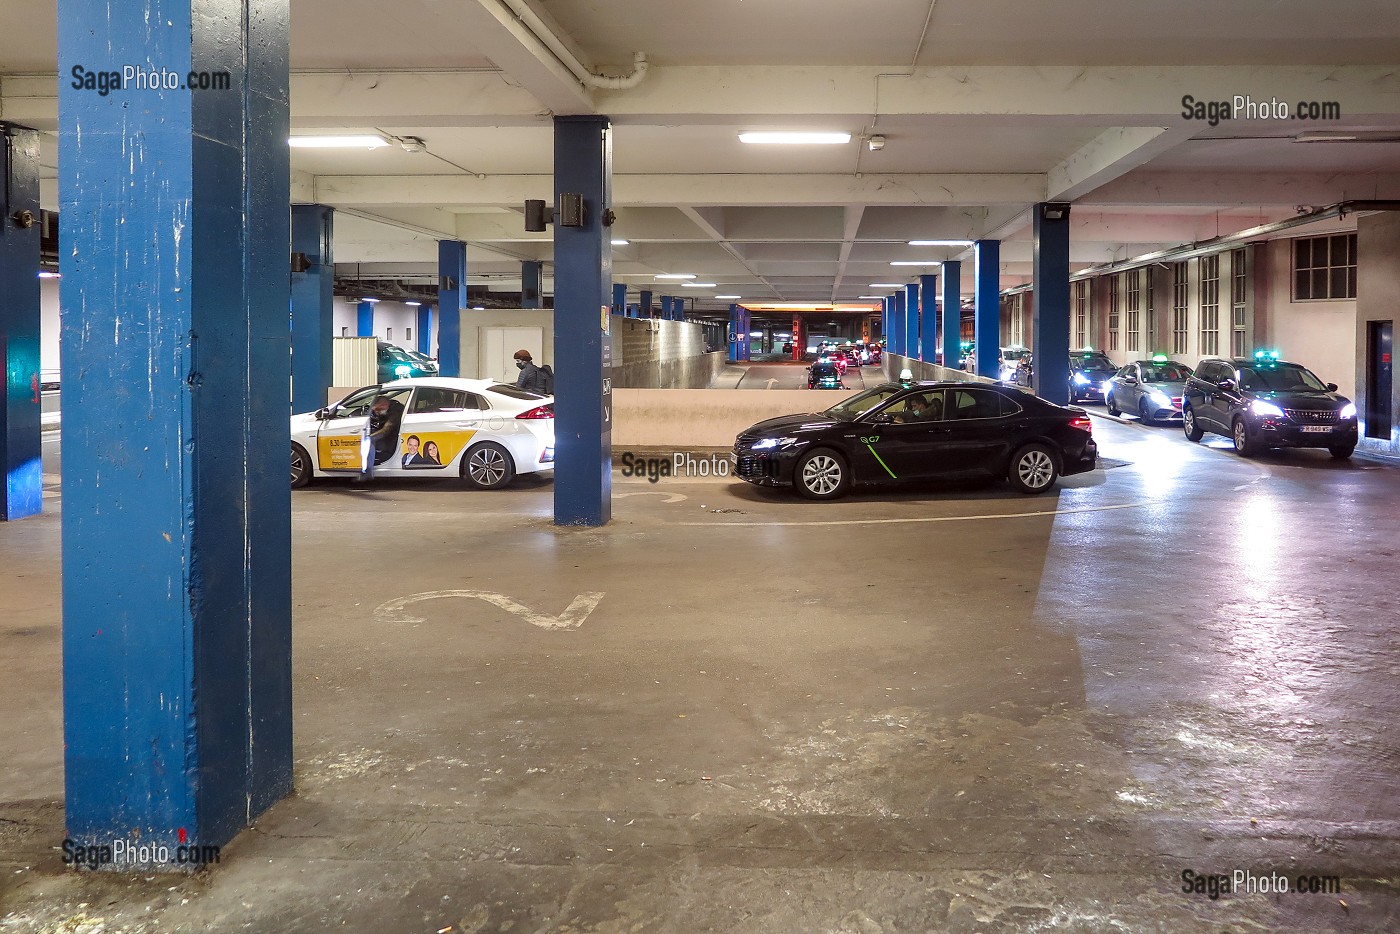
(733,459)
(1317,429)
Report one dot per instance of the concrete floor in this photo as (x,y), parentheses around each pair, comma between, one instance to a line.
(951,709)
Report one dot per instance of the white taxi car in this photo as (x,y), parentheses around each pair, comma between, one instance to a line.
(483,431)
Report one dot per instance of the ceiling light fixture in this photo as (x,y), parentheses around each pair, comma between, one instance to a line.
(697,285)
(676,275)
(370,300)
(730,297)
(45,274)
(337,142)
(413,304)
(795,139)
(621,242)
(876,143)
(887,285)
(940,243)
(917,262)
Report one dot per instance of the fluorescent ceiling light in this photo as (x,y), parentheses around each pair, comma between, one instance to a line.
(795,139)
(697,285)
(415,304)
(729,296)
(676,275)
(940,243)
(478,308)
(887,285)
(621,242)
(370,300)
(337,142)
(917,262)
(875,297)
(45,274)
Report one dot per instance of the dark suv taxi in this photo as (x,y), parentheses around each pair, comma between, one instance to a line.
(1264,403)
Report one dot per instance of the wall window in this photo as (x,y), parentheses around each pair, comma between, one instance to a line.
(1149,339)
(1180,294)
(344,332)
(1210,305)
(1134,307)
(1081,312)
(408,334)
(1324,267)
(1113,310)
(1239,302)
(388,334)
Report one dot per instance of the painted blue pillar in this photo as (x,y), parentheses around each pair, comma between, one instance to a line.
(665,308)
(1050,314)
(886,317)
(644,303)
(531,282)
(176,510)
(425,330)
(928,318)
(364,319)
(619,303)
(952,313)
(21,406)
(911,319)
(583,348)
(313,306)
(736,327)
(746,340)
(986,274)
(452,301)
(898,322)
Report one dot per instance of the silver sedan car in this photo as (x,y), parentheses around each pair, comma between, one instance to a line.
(1150,389)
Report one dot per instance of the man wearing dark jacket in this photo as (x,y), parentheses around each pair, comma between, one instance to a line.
(531,377)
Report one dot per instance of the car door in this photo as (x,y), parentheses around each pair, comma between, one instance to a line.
(899,440)
(439,425)
(1203,391)
(977,433)
(340,438)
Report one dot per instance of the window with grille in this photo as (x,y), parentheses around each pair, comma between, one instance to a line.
(1180,296)
(1081,312)
(1239,301)
(1113,312)
(1324,268)
(1210,305)
(1134,308)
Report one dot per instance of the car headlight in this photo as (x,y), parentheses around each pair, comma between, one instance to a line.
(402,370)
(768,444)
(1080,379)
(1348,411)
(1265,409)
(1159,399)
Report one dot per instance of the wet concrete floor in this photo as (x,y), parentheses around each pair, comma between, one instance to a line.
(952,708)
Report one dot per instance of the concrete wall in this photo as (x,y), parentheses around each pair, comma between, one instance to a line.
(1377,299)
(1321,335)
(892,364)
(393,322)
(683,419)
(474,321)
(48,326)
(657,354)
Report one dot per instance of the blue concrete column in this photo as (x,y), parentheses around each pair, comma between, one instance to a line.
(313,306)
(745,341)
(425,330)
(364,319)
(736,326)
(619,303)
(175,341)
(531,280)
(644,303)
(665,308)
(583,278)
(897,324)
(452,301)
(952,313)
(21,405)
(886,317)
(1050,309)
(986,274)
(911,319)
(928,320)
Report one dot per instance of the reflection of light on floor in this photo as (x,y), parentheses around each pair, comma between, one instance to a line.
(1256,544)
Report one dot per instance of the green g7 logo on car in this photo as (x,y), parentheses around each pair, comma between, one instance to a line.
(874,439)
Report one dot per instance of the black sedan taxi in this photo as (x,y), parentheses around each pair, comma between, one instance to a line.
(1265,402)
(912,431)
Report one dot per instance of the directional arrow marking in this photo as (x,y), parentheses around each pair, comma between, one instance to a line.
(572,618)
(771,381)
(670,497)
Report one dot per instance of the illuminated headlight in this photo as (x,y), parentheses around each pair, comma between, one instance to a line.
(1160,400)
(402,371)
(1265,409)
(1080,379)
(1348,411)
(768,444)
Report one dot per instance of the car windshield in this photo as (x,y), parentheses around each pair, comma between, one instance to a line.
(392,352)
(862,402)
(1279,377)
(1165,373)
(1091,361)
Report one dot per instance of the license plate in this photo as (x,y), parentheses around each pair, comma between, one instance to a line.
(733,459)
(1317,429)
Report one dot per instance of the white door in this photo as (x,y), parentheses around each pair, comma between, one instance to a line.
(498,347)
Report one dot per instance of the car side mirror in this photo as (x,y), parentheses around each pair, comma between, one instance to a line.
(1331,387)
(1226,384)
(1131,380)
(323,414)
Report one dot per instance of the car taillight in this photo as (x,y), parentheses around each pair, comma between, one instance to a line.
(542,411)
(1082,423)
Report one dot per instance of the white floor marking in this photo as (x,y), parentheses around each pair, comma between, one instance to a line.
(572,618)
(1005,515)
(670,497)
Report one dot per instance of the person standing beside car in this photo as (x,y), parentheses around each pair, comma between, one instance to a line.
(532,378)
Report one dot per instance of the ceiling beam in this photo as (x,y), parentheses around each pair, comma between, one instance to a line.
(508,42)
(1111,154)
(1247,189)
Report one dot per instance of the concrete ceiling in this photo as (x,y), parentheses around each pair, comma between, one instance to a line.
(987,106)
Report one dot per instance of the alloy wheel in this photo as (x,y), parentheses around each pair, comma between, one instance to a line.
(1035,468)
(487,466)
(821,474)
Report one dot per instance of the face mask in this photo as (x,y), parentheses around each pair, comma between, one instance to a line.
(520,364)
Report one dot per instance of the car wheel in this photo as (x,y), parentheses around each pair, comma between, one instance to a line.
(488,466)
(821,474)
(1342,452)
(1143,413)
(1245,446)
(1033,469)
(1110,405)
(301,466)
(1188,425)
